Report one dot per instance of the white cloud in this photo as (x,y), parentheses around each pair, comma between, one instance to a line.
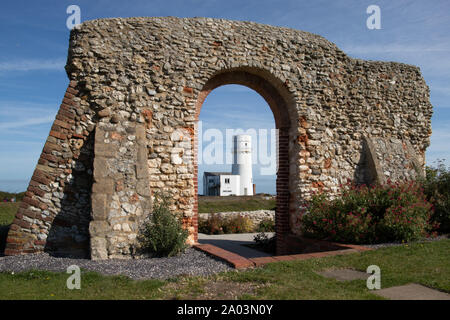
(33,64)
(20,114)
(25,108)
(26,123)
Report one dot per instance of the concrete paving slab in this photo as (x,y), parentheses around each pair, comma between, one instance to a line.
(412,291)
(231,248)
(234,243)
(345,274)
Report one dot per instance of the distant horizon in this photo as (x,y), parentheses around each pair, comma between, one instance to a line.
(14,186)
(21,185)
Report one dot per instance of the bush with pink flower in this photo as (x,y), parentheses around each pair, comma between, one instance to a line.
(363,214)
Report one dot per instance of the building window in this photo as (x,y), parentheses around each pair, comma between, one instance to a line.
(227,180)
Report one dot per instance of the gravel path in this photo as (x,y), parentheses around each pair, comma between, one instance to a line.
(192,263)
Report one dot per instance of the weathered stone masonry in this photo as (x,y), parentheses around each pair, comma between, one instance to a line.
(127,126)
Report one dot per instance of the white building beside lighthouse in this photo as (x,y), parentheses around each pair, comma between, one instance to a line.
(239,181)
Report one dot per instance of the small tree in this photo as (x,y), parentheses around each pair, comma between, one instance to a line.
(162,233)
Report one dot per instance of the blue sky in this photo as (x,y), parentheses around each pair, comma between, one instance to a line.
(34,41)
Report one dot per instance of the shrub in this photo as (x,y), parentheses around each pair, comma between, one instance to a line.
(162,233)
(8,196)
(215,224)
(211,225)
(237,224)
(266,225)
(266,244)
(437,190)
(390,212)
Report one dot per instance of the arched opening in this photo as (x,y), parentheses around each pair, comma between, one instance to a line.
(230,111)
(277,96)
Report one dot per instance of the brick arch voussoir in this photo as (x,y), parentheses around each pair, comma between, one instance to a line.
(277,97)
(274,92)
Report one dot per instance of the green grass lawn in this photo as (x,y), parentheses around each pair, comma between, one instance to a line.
(7,213)
(427,264)
(41,285)
(424,263)
(226,204)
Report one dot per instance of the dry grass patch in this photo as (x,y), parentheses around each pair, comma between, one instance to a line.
(216,288)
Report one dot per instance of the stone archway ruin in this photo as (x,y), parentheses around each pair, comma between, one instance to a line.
(136,88)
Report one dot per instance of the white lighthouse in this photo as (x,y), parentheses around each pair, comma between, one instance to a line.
(238,182)
(242,163)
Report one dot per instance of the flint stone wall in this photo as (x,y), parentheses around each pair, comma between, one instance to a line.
(256,216)
(126,127)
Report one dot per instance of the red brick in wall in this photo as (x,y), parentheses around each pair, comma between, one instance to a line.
(18,240)
(279,108)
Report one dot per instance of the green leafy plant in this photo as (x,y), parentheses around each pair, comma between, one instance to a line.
(266,225)
(237,224)
(162,233)
(436,186)
(211,225)
(8,196)
(380,213)
(265,243)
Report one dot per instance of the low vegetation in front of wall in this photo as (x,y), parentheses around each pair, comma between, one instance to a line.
(264,242)
(265,225)
(162,234)
(217,224)
(391,212)
(436,185)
